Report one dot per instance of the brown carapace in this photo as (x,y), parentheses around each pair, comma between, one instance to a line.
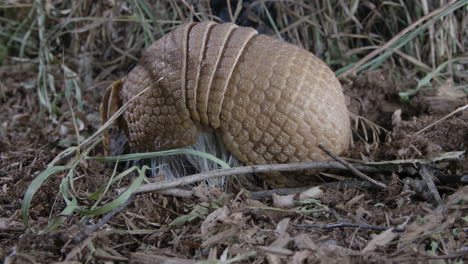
(273,102)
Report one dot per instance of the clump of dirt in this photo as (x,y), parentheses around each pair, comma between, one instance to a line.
(448,135)
(374,95)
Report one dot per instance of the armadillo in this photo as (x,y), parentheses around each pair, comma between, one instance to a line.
(272,101)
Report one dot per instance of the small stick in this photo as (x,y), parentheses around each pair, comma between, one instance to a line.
(111,258)
(151,187)
(91,228)
(347,224)
(459,109)
(428,179)
(176,192)
(352,169)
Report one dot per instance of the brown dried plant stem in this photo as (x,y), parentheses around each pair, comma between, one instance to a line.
(347,224)
(320,165)
(353,169)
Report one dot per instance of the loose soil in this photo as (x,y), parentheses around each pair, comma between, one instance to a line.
(229,224)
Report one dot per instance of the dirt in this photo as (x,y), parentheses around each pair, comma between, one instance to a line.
(156,226)
(374,95)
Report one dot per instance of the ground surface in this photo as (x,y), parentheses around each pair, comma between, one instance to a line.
(231,221)
(234,225)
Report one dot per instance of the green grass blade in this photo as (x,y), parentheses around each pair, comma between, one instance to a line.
(272,22)
(378,60)
(33,187)
(149,13)
(119,200)
(72,205)
(137,156)
(426,81)
(102,189)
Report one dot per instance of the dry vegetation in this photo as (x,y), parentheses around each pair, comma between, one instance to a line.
(404,68)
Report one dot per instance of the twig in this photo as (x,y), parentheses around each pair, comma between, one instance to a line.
(276,251)
(352,169)
(428,179)
(347,224)
(91,228)
(319,165)
(396,37)
(176,192)
(76,250)
(111,258)
(459,109)
(16,256)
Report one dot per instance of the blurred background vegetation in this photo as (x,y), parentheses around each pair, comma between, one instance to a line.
(75,46)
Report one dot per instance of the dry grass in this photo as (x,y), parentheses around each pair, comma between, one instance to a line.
(96,41)
(57,57)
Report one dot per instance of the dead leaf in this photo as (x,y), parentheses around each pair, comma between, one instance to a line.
(218,238)
(237,218)
(436,220)
(335,254)
(20,117)
(277,251)
(282,226)
(10,225)
(303,241)
(303,256)
(396,120)
(277,247)
(202,192)
(361,213)
(274,259)
(250,236)
(212,219)
(354,201)
(380,240)
(285,202)
(312,193)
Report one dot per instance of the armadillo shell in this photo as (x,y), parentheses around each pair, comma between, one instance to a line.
(196,48)
(272,101)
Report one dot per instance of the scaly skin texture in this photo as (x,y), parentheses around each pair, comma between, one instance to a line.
(272,101)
